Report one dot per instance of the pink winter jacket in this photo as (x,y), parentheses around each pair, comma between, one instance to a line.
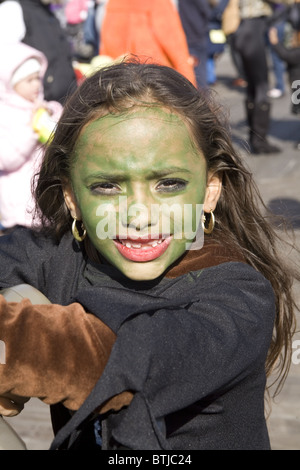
(20,151)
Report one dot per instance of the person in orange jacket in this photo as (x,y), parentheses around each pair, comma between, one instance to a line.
(151,30)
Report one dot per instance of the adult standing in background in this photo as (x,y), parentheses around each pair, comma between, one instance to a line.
(149,29)
(250,41)
(230,23)
(195,16)
(38,27)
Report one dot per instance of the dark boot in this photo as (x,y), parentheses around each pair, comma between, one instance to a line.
(249,105)
(249,113)
(259,129)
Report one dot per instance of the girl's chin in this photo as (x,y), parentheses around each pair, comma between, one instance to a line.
(141,272)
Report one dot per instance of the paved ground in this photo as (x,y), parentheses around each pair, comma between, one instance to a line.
(278,177)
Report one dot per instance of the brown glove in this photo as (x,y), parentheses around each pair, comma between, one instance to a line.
(54,353)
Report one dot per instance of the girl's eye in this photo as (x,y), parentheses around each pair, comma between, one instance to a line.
(171,185)
(105,188)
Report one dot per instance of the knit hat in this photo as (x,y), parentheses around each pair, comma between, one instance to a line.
(28,67)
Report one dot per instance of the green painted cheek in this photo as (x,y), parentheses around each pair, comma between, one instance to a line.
(100,220)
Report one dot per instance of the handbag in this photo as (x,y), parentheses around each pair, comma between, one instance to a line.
(216,39)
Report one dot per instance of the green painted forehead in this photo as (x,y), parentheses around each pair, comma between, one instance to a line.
(146,112)
(97,128)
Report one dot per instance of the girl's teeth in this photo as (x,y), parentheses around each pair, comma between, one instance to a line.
(156,242)
(139,245)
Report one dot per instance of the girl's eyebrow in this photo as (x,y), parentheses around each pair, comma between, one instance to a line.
(117,176)
(168,171)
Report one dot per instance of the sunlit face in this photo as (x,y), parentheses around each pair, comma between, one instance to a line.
(138,185)
(29,88)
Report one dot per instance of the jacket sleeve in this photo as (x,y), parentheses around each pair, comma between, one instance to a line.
(16,147)
(214,342)
(56,109)
(52,352)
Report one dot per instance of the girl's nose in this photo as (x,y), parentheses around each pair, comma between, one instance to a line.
(139,216)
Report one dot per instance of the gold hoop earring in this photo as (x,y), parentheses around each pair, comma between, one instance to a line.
(75,231)
(211,224)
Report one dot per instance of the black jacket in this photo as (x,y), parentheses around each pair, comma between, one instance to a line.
(194,15)
(192,348)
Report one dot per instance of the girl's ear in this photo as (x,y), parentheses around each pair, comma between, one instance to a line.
(213,192)
(71,203)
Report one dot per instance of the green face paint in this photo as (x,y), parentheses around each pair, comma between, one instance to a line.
(137,181)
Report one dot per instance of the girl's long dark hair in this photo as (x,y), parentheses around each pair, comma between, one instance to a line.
(240,216)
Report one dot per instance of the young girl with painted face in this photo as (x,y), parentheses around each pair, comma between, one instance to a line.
(174,334)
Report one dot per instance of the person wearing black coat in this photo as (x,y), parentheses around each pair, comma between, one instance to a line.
(250,41)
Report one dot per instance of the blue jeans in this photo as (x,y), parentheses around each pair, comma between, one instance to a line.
(279,66)
(211,71)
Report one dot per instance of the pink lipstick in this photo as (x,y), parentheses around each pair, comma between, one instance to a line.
(142,249)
